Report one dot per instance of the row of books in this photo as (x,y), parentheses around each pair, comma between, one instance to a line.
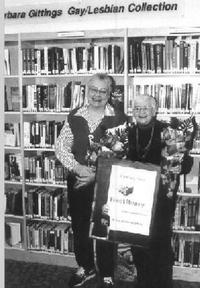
(12,134)
(187,214)
(186,251)
(63,60)
(13,166)
(196,146)
(41,133)
(171,98)
(51,237)
(47,203)
(146,55)
(44,168)
(164,55)
(13,234)
(53,97)
(190,183)
(13,199)
(12,99)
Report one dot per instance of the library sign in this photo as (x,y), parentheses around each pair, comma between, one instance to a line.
(79,10)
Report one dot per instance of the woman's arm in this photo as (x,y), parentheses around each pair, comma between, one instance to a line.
(63,147)
(84,175)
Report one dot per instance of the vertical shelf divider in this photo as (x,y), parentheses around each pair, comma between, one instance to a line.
(22,138)
(125,69)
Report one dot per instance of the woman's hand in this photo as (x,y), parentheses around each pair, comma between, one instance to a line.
(84,176)
(105,209)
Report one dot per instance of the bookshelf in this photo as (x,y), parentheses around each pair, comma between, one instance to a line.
(186,221)
(48,81)
(49,73)
(166,66)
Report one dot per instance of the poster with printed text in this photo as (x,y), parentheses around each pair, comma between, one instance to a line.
(125,201)
(130,199)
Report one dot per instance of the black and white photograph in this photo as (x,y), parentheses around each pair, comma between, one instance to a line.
(100,173)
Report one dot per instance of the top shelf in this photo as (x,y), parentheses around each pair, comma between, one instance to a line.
(107,33)
(193,195)
(172,74)
(136,52)
(87,34)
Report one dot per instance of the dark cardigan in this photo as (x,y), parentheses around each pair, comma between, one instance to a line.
(80,131)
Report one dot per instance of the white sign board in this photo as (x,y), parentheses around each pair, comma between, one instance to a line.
(130,199)
(91,15)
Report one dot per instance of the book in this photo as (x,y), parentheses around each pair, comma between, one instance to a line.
(66,61)
(13,166)
(14,91)
(29,202)
(70,240)
(10,135)
(116,58)
(187,261)
(196,254)
(12,98)
(90,59)
(181,54)
(158,58)
(198,55)
(14,201)
(96,58)
(79,58)
(192,180)
(13,234)
(65,204)
(67,96)
(78,96)
(147,53)
(52,97)
(7,68)
(185,56)
(27,135)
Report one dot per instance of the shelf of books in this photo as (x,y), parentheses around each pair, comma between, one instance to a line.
(168,67)
(45,77)
(186,238)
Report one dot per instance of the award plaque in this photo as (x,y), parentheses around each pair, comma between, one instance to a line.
(124,200)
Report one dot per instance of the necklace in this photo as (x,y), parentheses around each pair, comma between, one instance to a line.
(142,152)
(94,120)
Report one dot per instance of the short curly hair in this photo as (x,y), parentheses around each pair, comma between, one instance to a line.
(103,77)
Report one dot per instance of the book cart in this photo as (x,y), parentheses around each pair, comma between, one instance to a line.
(45,77)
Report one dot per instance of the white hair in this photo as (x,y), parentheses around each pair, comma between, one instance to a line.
(151,99)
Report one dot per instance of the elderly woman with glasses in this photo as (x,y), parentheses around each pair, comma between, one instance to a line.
(84,124)
(150,141)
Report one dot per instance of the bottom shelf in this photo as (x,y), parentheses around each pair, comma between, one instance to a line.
(40,257)
(186,273)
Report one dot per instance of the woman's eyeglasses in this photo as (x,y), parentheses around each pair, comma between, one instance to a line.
(95,90)
(142,109)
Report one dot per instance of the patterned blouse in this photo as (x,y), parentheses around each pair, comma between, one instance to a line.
(63,147)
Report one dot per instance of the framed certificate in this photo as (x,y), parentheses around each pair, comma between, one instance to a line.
(124,200)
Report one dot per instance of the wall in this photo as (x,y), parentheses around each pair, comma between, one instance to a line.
(63,15)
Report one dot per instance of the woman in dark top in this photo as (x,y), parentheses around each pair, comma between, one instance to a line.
(84,125)
(145,144)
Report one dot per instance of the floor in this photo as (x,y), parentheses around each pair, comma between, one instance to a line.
(35,275)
